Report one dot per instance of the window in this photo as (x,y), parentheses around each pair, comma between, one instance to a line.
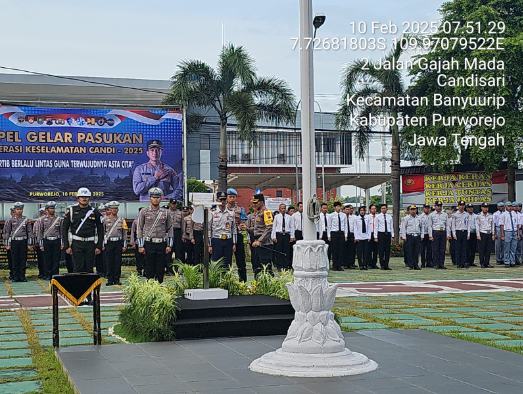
(205,142)
(279,193)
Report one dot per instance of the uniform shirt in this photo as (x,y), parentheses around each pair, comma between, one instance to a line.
(297,218)
(187,228)
(92,225)
(350,221)
(323,223)
(176,217)
(222,223)
(380,225)
(277,225)
(237,209)
(36,229)
(496,216)
(372,222)
(358,232)
(50,227)
(484,223)
(146,219)
(471,224)
(424,217)
(251,218)
(263,226)
(118,231)
(520,221)
(459,222)
(134,237)
(509,221)
(143,180)
(196,226)
(11,229)
(334,224)
(411,226)
(439,222)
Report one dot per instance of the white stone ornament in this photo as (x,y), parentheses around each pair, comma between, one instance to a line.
(314,346)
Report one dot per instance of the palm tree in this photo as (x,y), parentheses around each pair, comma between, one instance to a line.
(233,90)
(377,83)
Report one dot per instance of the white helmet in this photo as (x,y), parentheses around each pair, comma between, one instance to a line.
(83,192)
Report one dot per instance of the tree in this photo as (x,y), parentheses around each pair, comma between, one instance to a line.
(234,90)
(491,16)
(365,79)
(195,186)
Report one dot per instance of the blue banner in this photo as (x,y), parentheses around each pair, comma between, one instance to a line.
(49,153)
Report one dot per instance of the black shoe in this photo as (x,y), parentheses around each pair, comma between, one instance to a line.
(388,268)
(423,265)
(443,267)
(500,263)
(430,265)
(411,268)
(507,265)
(109,284)
(417,268)
(473,265)
(118,283)
(489,266)
(23,280)
(512,265)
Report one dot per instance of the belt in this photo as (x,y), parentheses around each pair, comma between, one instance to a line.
(52,238)
(18,238)
(384,232)
(336,232)
(77,238)
(485,232)
(155,240)
(440,229)
(198,231)
(114,239)
(461,230)
(224,236)
(472,231)
(414,235)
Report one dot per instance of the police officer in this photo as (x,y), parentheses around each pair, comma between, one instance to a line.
(459,233)
(50,240)
(262,243)
(154,173)
(155,235)
(249,227)
(412,233)
(17,239)
(99,261)
(177,219)
(362,236)
(239,254)
(485,229)
(134,242)
(115,241)
(39,254)
(438,225)
(509,232)
(519,248)
(499,247)
(282,235)
(426,245)
(84,222)
(383,236)
(222,231)
(8,252)
(472,241)
(188,236)
(197,238)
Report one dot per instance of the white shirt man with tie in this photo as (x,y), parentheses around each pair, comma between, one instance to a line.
(498,243)
(337,232)
(472,242)
(373,246)
(509,233)
(350,246)
(362,237)
(282,235)
(323,225)
(383,236)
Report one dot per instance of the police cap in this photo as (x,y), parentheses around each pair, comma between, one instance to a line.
(50,204)
(469,205)
(18,205)
(438,204)
(461,202)
(12,209)
(485,204)
(232,192)
(155,192)
(185,209)
(426,206)
(173,201)
(41,210)
(113,204)
(501,204)
(102,208)
(258,197)
(508,204)
(515,204)
(412,207)
(221,196)
(154,144)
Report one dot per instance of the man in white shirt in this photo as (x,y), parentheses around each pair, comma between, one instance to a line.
(297,218)
(519,248)
(322,227)
(362,237)
(383,236)
(498,243)
(509,226)
(426,244)
(337,233)
(282,235)
(373,246)
(350,246)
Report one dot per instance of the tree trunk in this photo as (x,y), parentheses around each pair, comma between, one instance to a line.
(395,175)
(511,182)
(222,166)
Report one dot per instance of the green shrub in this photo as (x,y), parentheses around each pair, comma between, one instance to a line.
(150,307)
(230,281)
(216,272)
(274,286)
(396,250)
(188,276)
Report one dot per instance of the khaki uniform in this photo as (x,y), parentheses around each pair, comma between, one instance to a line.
(240,246)
(18,234)
(262,233)
(115,239)
(49,235)
(177,220)
(187,236)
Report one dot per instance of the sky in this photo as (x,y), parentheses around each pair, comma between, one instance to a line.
(148,39)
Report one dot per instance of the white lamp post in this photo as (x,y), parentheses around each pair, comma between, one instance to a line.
(314,346)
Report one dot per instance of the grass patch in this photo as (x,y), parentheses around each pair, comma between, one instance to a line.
(486,342)
(128,335)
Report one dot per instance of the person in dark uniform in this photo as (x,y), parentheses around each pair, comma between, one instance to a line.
(323,225)
(18,239)
(115,243)
(373,246)
(249,227)
(262,243)
(134,242)
(177,219)
(39,254)
(282,234)
(187,236)
(426,245)
(50,241)
(239,212)
(472,241)
(197,238)
(362,237)
(222,231)
(99,260)
(412,233)
(439,233)
(452,241)
(8,251)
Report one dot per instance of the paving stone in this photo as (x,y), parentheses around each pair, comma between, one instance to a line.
(374,310)
(447,328)
(4,316)
(419,310)
(520,333)
(14,345)
(10,323)
(397,316)
(17,374)
(12,337)
(418,322)
(472,320)
(20,387)
(485,335)
(68,341)
(6,353)
(504,307)
(363,326)
(491,314)
(16,362)
(71,320)
(352,319)
(463,309)
(443,315)
(511,342)
(512,318)
(64,334)
(498,326)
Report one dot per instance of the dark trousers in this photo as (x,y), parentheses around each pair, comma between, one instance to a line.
(262,257)
(52,252)
(198,247)
(10,264)
(40,262)
(299,235)
(484,248)
(412,249)
(222,248)
(282,245)
(452,250)
(113,258)
(155,260)
(350,251)
(188,249)
(83,256)
(362,249)
(99,262)
(338,246)
(373,253)
(19,258)
(326,240)
(179,252)
(384,241)
(139,260)
(426,252)
(438,248)
(69,263)
(472,246)
(460,253)
(240,257)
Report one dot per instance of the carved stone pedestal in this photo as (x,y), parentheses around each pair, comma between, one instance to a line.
(314,346)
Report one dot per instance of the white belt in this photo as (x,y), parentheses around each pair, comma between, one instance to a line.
(18,238)
(115,239)
(77,238)
(155,240)
(52,238)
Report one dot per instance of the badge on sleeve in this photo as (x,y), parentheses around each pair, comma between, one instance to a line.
(267,217)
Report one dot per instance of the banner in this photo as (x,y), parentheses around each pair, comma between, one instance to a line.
(49,153)
(449,188)
(273,203)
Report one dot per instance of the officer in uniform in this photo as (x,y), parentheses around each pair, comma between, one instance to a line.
(197,238)
(452,241)
(362,236)
(426,245)
(337,233)
(17,238)
(115,243)
(8,252)
(99,261)
(519,248)
(222,231)
(282,235)
(239,254)
(154,173)
(177,219)
(499,247)
(249,227)
(485,229)
(155,235)
(459,232)
(439,233)
(412,233)
(509,232)
(39,254)
(84,222)
(262,243)
(383,236)
(472,241)
(188,236)
(50,241)
(134,242)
